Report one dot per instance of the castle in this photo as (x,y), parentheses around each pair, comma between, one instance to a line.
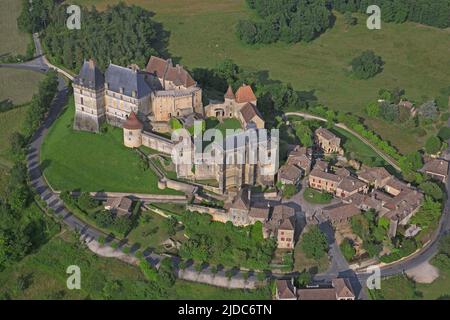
(143,102)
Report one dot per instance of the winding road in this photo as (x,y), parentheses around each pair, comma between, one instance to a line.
(339,264)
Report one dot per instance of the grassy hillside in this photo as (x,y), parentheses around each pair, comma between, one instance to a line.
(416,57)
(12,41)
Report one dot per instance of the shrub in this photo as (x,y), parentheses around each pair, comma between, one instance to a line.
(433,145)
(347,249)
(367,65)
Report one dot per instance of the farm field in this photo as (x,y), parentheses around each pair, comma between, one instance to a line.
(18,85)
(12,41)
(74,160)
(202,34)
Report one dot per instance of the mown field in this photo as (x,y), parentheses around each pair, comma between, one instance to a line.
(12,41)
(18,85)
(74,160)
(416,57)
(42,275)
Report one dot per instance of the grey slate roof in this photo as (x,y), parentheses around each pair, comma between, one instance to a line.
(90,76)
(130,80)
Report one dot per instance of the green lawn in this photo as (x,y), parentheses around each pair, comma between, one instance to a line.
(317,197)
(151,231)
(93,162)
(12,41)
(45,277)
(356,149)
(401,288)
(319,66)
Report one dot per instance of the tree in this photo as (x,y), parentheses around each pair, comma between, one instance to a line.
(429,109)
(367,65)
(349,19)
(373,109)
(303,279)
(347,249)
(444,133)
(314,243)
(433,145)
(432,189)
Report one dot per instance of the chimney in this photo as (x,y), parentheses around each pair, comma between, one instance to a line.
(134,93)
(121,90)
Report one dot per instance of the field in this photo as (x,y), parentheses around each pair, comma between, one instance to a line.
(416,57)
(42,275)
(356,149)
(12,41)
(18,85)
(400,288)
(93,162)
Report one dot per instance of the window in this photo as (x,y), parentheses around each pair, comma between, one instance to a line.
(82,108)
(81,100)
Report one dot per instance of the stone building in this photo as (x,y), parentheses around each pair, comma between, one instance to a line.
(241,106)
(328,141)
(155,95)
(436,169)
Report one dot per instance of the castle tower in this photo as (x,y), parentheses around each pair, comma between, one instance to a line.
(89,95)
(132,132)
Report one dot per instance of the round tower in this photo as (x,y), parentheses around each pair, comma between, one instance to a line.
(132,132)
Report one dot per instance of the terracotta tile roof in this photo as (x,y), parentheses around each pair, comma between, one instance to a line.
(326,134)
(437,167)
(341,211)
(132,122)
(248,112)
(157,66)
(289,172)
(350,184)
(245,94)
(321,165)
(287,224)
(316,294)
(372,174)
(229,94)
(165,70)
(342,172)
(342,288)
(282,211)
(317,173)
(404,204)
(285,289)
(242,200)
(259,212)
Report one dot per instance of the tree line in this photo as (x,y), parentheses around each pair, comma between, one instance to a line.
(121,34)
(22,230)
(293,21)
(285,20)
(433,13)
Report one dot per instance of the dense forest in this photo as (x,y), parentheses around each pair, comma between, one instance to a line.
(121,34)
(303,20)
(286,20)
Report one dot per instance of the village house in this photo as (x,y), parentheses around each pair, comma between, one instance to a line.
(349,186)
(376,177)
(289,174)
(121,206)
(323,181)
(341,213)
(285,290)
(282,225)
(301,158)
(327,141)
(436,169)
(338,289)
